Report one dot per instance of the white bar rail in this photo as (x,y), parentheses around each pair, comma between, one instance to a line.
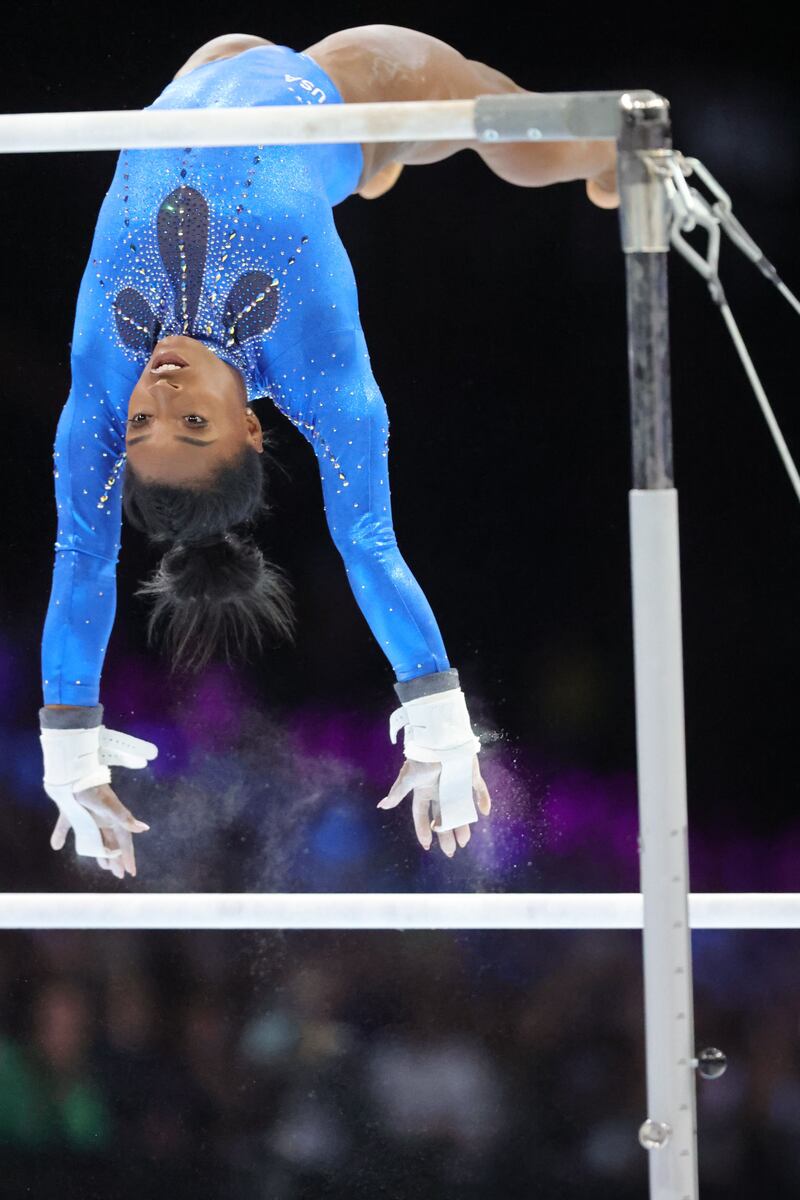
(532,116)
(382,910)
(140,128)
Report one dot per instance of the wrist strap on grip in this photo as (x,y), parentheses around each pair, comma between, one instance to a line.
(438,729)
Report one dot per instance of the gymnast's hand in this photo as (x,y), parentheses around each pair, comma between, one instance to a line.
(77,777)
(116,825)
(423,779)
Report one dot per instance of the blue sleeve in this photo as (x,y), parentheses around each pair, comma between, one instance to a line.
(325,386)
(88,462)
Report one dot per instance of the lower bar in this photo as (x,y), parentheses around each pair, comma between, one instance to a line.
(382,910)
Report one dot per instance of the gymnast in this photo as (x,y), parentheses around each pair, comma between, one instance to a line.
(216,279)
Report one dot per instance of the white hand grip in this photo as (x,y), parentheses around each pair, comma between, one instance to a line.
(125,750)
(78,759)
(438,729)
(456,803)
(88,839)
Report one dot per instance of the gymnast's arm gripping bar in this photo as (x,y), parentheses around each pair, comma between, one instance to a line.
(533,116)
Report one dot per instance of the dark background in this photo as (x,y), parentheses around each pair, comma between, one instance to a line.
(495,321)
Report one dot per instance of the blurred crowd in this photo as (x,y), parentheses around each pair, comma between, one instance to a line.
(269,1066)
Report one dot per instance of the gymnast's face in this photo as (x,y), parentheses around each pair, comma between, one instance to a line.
(183,424)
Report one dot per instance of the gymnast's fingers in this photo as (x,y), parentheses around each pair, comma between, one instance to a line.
(447,842)
(480,789)
(103,801)
(110,841)
(121,815)
(127,858)
(59,834)
(401,786)
(421,808)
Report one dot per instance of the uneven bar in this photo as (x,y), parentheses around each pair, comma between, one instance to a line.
(382,910)
(554,116)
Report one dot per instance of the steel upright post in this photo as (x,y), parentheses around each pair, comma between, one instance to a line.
(670,1131)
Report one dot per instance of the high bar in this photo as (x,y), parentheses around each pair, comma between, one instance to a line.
(382,910)
(532,116)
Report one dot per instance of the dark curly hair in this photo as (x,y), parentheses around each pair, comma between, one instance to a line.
(213,588)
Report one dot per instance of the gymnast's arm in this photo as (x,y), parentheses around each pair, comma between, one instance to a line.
(327,389)
(324,384)
(88,462)
(88,458)
(330,394)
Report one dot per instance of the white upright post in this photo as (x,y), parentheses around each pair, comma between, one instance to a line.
(670,1131)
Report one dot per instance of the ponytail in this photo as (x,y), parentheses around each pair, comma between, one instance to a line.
(218,596)
(213,590)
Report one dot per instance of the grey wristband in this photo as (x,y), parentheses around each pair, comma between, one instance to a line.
(426,685)
(83,717)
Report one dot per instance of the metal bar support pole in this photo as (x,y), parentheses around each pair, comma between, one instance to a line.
(670,1131)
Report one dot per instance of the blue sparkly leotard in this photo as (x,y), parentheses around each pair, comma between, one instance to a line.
(235,246)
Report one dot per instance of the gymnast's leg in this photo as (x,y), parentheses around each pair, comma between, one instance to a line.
(372,63)
(533,165)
